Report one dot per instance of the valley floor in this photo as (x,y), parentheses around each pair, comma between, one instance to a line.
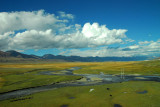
(115,94)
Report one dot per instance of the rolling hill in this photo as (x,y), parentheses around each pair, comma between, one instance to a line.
(17,56)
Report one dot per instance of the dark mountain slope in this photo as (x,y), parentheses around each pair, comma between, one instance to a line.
(4,54)
(93,59)
(49,57)
(20,55)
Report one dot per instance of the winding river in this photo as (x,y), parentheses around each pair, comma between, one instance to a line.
(88,79)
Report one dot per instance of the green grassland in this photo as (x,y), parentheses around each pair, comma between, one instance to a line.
(19,76)
(139,67)
(14,82)
(24,75)
(124,94)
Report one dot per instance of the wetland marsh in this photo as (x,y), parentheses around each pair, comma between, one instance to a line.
(70,84)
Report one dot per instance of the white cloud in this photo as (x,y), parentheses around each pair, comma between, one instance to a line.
(144,42)
(33,39)
(154,45)
(153,48)
(101,52)
(78,27)
(95,30)
(37,20)
(129,40)
(101,35)
(134,47)
(64,15)
(44,31)
(5,40)
(41,34)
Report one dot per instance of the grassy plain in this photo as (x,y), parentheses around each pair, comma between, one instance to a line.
(124,94)
(24,75)
(135,67)
(18,76)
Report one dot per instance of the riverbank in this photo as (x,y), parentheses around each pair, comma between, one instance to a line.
(87,80)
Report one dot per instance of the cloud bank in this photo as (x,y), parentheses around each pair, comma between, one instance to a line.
(43,30)
(134,50)
(37,20)
(40,30)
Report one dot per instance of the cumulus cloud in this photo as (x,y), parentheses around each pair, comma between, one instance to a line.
(44,31)
(153,48)
(37,20)
(101,35)
(33,39)
(5,40)
(88,37)
(40,30)
(64,15)
(133,47)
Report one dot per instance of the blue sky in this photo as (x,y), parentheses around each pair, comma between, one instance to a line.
(140,19)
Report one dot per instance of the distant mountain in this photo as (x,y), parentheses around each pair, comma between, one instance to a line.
(17,57)
(48,56)
(93,59)
(6,56)
(158,58)
(13,53)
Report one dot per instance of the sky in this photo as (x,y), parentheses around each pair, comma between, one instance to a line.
(103,28)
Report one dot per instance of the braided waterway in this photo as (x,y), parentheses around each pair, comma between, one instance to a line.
(87,80)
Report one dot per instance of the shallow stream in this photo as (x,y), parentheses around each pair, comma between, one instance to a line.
(88,79)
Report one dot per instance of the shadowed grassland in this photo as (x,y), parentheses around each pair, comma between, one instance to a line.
(124,94)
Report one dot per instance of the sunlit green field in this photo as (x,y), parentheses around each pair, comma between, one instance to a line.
(19,76)
(124,94)
(139,67)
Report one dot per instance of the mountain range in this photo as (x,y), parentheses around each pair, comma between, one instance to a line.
(14,55)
